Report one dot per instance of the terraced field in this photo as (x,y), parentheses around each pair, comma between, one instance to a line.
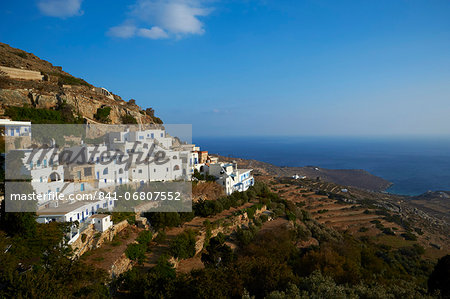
(351,217)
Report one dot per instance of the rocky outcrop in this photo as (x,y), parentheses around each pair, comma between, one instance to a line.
(120,266)
(84,102)
(58,87)
(90,238)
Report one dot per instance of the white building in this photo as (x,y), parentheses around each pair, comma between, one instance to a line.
(71,211)
(16,128)
(47,175)
(85,169)
(101,222)
(230,177)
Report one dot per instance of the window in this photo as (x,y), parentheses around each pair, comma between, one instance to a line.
(105,171)
(82,187)
(45,163)
(162,134)
(38,163)
(153,135)
(54,177)
(31,165)
(141,137)
(140,170)
(41,180)
(87,171)
(57,190)
(79,175)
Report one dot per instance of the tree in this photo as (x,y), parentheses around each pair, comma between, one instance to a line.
(136,252)
(17,218)
(440,277)
(183,246)
(102,114)
(217,252)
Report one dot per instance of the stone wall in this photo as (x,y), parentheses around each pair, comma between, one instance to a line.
(15,73)
(234,223)
(95,239)
(121,265)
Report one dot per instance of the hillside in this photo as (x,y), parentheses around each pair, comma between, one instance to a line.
(26,81)
(436,203)
(348,177)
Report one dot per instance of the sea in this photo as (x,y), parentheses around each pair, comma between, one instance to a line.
(413,165)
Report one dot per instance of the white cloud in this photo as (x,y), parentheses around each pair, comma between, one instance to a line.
(153,33)
(60,8)
(167,18)
(123,31)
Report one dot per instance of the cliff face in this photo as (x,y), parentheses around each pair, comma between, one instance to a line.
(58,87)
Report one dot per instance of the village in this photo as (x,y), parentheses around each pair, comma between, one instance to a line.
(132,156)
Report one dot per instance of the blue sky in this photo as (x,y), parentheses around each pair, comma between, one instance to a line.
(372,68)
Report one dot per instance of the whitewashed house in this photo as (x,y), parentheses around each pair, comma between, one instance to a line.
(16,128)
(101,222)
(71,211)
(230,177)
(47,175)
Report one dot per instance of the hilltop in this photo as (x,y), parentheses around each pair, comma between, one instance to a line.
(26,81)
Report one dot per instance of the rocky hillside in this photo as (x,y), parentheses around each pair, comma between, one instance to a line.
(58,89)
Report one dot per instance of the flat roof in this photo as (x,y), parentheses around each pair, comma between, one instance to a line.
(65,208)
(100,216)
(5,121)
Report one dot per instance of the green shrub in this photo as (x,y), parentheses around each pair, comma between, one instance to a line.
(145,237)
(136,252)
(160,237)
(388,231)
(183,246)
(409,236)
(69,80)
(128,119)
(102,114)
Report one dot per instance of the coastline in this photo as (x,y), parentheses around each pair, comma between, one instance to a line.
(358,178)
